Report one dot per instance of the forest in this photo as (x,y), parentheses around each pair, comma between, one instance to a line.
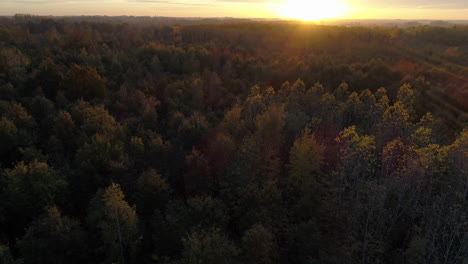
(232,142)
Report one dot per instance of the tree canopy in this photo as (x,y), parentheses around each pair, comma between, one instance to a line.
(167,141)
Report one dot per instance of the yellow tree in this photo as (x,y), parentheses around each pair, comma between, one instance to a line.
(407,97)
(115,223)
(305,160)
(395,123)
(358,154)
(232,122)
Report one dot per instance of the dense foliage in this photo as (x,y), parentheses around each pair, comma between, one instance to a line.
(232,143)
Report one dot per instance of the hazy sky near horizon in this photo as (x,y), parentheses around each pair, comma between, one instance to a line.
(365,9)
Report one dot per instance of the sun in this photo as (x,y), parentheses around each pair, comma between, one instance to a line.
(313,10)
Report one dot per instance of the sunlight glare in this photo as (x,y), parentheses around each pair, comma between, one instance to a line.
(313,10)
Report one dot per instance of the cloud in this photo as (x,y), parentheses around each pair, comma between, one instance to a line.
(250,1)
(52,1)
(442,4)
(168,2)
(424,4)
(209,2)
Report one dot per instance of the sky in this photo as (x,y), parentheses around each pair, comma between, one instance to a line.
(355,9)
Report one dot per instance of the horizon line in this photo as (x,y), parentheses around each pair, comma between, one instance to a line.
(242,18)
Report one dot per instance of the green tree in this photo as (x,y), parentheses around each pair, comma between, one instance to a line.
(152,196)
(205,212)
(269,140)
(5,255)
(64,139)
(84,82)
(259,246)
(369,115)
(197,178)
(13,64)
(209,247)
(329,108)
(153,192)
(20,116)
(198,214)
(218,152)
(136,152)
(352,110)
(304,242)
(33,186)
(253,106)
(416,252)
(8,137)
(457,155)
(102,157)
(41,108)
(49,77)
(53,238)
(342,92)
(94,120)
(64,126)
(258,203)
(191,129)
